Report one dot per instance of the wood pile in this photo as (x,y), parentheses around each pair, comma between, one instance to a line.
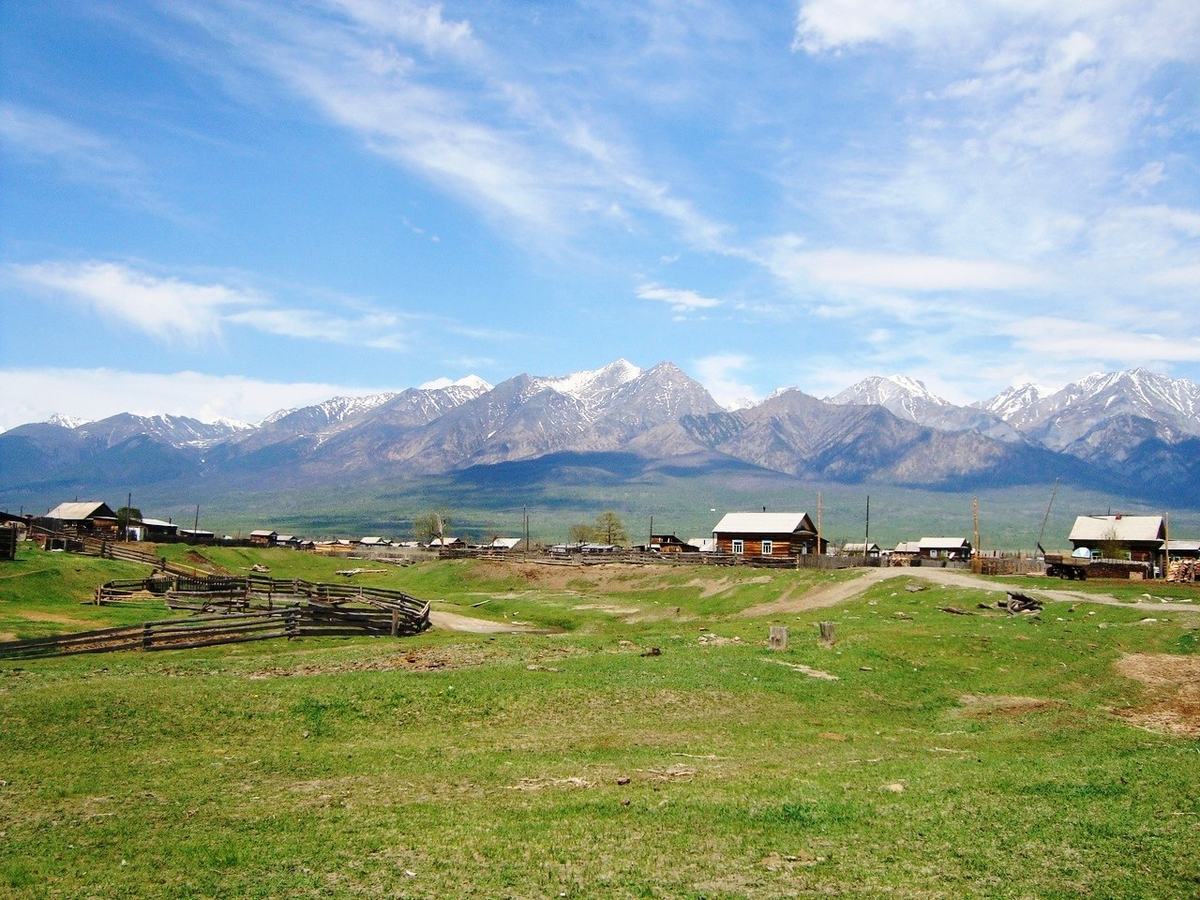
(1182,571)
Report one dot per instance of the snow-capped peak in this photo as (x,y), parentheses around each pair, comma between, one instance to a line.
(906,397)
(586,385)
(66,421)
(1012,402)
(474,382)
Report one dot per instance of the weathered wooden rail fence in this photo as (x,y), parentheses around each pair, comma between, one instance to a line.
(168,634)
(237,609)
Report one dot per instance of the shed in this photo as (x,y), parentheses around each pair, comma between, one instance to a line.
(767,534)
(1184,549)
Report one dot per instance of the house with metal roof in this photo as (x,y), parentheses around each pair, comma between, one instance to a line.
(860,548)
(953,548)
(780,534)
(1183,549)
(82,515)
(152,529)
(1139,538)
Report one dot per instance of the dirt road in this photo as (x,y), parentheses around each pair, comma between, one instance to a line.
(449,621)
(831,595)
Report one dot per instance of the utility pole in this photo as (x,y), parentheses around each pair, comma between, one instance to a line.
(818,523)
(867,533)
(975,516)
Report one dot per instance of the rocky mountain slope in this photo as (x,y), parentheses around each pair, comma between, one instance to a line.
(1133,429)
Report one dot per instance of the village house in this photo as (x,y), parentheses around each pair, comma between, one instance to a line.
(374,542)
(264,538)
(447,543)
(669,543)
(155,529)
(767,534)
(954,549)
(81,516)
(871,550)
(1138,538)
(504,545)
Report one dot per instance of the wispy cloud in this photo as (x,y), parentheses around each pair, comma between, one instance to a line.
(428,93)
(171,309)
(79,155)
(857,268)
(1103,344)
(721,376)
(683,303)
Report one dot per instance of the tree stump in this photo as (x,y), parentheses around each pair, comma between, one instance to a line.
(827,634)
(779,637)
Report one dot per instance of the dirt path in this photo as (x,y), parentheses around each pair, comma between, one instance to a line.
(833,594)
(454,622)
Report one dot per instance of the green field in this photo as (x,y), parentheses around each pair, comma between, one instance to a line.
(638,740)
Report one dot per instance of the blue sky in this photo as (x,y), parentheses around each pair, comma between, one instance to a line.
(223,208)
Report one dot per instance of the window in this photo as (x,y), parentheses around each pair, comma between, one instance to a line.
(768,546)
(739,546)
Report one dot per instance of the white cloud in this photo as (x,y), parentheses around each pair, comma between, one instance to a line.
(92,394)
(432,96)
(173,310)
(165,308)
(718,374)
(855,268)
(1080,340)
(682,302)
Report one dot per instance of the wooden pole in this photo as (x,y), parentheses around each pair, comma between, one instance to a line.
(828,638)
(778,638)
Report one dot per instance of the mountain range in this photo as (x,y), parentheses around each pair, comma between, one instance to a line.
(1133,431)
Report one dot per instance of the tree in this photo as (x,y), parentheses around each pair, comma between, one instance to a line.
(607,529)
(127,517)
(431,525)
(610,529)
(1111,547)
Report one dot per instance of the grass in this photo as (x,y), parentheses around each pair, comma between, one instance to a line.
(954,756)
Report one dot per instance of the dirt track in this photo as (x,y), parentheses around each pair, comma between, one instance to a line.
(833,594)
(453,622)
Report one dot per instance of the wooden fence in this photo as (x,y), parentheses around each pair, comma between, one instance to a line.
(169,634)
(637,557)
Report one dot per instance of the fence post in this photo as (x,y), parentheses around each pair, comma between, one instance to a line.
(395,622)
(828,639)
(778,638)
(147,634)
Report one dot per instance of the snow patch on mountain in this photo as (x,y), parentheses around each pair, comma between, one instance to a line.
(66,421)
(474,382)
(905,397)
(590,385)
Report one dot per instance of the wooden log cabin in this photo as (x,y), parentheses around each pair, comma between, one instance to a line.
(780,534)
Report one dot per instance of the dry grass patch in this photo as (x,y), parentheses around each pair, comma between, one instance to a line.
(981,707)
(1173,683)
